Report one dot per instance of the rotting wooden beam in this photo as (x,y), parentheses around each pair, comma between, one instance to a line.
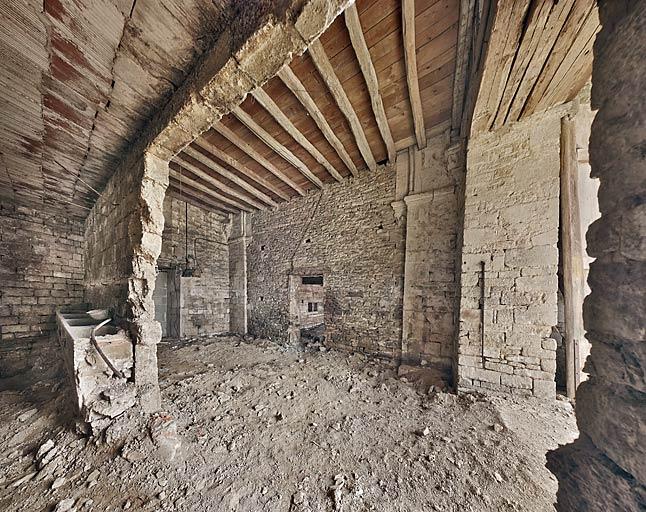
(183,178)
(239,166)
(184,193)
(572,256)
(410,60)
(270,141)
(325,69)
(270,106)
(353,23)
(293,83)
(186,164)
(248,148)
(214,166)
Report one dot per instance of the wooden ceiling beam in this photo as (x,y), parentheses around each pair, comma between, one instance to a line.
(214,166)
(249,150)
(325,69)
(293,83)
(219,185)
(270,106)
(182,177)
(353,23)
(410,59)
(196,198)
(239,166)
(270,141)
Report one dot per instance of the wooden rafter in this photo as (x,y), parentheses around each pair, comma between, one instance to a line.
(270,141)
(353,23)
(248,148)
(195,197)
(214,166)
(239,166)
(410,58)
(270,106)
(218,184)
(183,178)
(292,82)
(324,67)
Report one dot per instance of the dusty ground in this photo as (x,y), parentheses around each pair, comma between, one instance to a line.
(263,428)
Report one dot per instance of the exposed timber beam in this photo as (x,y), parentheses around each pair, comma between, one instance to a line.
(270,141)
(182,177)
(185,193)
(187,164)
(353,23)
(239,166)
(410,58)
(270,106)
(292,82)
(214,166)
(324,67)
(248,148)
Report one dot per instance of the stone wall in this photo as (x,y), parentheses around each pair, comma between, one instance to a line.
(348,233)
(204,297)
(605,468)
(41,267)
(511,227)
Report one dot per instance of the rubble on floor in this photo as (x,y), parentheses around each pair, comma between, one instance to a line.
(252,426)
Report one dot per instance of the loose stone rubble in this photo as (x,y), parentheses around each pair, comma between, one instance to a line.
(255,426)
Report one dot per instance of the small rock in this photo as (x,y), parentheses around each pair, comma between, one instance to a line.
(497,427)
(497,476)
(65,505)
(26,415)
(59,482)
(44,448)
(23,480)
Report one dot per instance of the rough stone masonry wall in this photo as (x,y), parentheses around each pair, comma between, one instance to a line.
(511,223)
(41,268)
(351,236)
(123,238)
(204,303)
(605,468)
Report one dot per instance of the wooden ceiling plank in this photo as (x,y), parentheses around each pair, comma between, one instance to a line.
(270,141)
(353,23)
(325,69)
(239,166)
(557,18)
(214,166)
(410,58)
(270,106)
(255,155)
(184,179)
(293,83)
(181,160)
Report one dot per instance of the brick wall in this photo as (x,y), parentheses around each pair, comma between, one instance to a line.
(351,236)
(41,268)
(204,302)
(511,223)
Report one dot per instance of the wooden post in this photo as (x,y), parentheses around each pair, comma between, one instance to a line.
(571,254)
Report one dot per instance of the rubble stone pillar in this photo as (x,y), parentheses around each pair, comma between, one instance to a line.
(238,241)
(605,468)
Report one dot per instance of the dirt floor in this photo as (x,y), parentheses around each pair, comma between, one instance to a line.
(257,427)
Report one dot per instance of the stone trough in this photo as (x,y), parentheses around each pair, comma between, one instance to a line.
(98,358)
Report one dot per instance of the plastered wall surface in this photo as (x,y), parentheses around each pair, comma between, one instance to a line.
(41,268)
(511,223)
(204,298)
(349,234)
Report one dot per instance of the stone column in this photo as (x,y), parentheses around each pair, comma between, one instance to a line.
(145,231)
(605,468)
(238,241)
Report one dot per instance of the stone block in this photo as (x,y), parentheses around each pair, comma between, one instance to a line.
(516,381)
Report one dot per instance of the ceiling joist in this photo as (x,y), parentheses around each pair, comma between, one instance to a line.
(353,23)
(410,58)
(292,82)
(252,153)
(270,106)
(325,69)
